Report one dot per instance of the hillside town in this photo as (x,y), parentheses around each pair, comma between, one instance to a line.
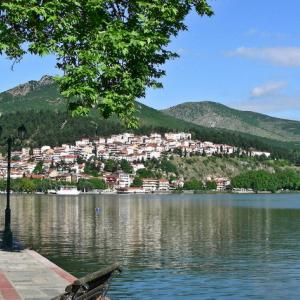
(69,163)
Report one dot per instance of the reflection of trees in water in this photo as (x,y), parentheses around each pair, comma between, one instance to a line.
(151,231)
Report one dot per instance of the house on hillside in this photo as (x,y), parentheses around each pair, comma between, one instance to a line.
(150,184)
(163,184)
(222,183)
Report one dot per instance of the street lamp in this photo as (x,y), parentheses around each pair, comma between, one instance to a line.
(7,241)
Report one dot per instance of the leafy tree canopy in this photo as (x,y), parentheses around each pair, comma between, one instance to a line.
(111,165)
(145,173)
(109,51)
(168,166)
(38,169)
(262,180)
(137,182)
(126,166)
(211,185)
(89,184)
(91,169)
(193,184)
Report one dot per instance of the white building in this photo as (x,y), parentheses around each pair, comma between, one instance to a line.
(124,180)
(260,153)
(82,142)
(150,184)
(178,136)
(163,184)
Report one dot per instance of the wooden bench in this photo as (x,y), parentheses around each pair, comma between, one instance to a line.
(92,286)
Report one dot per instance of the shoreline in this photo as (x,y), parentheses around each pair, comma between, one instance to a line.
(186,192)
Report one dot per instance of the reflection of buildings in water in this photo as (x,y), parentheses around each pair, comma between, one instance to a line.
(165,228)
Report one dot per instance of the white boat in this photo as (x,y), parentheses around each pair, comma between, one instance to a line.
(52,192)
(71,191)
(108,192)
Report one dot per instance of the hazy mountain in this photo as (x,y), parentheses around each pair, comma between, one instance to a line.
(215,115)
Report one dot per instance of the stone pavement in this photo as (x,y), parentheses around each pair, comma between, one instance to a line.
(28,275)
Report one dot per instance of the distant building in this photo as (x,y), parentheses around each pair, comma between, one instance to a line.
(163,184)
(150,184)
(222,183)
(260,153)
(178,136)
(124,180)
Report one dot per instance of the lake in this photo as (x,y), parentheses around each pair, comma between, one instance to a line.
(170,246)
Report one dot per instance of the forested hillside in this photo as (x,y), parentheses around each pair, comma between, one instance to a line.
(216,115)
(202,167)
(39,106)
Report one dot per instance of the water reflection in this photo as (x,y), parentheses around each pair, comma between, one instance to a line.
(193,247)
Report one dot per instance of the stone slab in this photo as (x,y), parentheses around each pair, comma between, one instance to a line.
(27,275)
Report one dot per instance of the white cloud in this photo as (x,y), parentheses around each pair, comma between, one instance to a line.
(267,89)
(282,56)
(263,34)
(274,104)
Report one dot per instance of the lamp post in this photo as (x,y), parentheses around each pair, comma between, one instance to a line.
(7,241)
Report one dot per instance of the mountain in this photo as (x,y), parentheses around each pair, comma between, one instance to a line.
(39,106)
(215,115)
(43,95)
(36,95)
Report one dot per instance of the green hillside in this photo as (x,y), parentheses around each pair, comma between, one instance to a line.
(39,106)
(203,167)
(43,96)
(33,95)
(215,115)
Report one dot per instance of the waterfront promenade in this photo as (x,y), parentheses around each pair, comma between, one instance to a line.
(28,275)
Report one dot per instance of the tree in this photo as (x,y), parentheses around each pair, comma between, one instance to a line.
(43,185)
(178,151)
(168,166)
(137,182)
(98,184)
(84,185)
(109,51)
(193,184)
(15,158)
(80,160)
(2,185)
(23,185)
(221,149)
(145,173)
(90,184)
(38,169)
(211,185)
(111,165)
(126,166)
(262,180)
(91,169)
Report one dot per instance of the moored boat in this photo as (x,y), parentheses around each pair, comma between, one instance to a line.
(52,192)
(108,192)
(71,191)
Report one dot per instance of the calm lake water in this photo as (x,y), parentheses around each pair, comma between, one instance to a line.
(171,246)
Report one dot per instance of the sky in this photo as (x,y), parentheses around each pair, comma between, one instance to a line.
(247,56)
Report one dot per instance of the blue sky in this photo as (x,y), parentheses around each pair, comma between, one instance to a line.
(247,56)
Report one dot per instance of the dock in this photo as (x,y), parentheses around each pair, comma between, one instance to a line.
(28,275)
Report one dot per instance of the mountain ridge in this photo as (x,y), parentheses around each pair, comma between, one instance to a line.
(216,115)
(24,88)
(44,111)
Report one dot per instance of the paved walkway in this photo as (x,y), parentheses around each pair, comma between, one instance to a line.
(28,275)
